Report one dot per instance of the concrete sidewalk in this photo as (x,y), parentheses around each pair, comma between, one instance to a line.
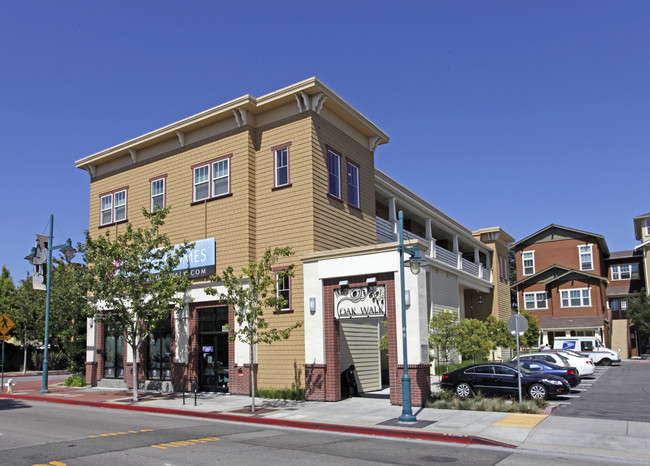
(615,441)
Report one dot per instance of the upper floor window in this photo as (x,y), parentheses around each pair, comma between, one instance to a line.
(578,297)
(586,259)
(535,300)
(113,207)
(212,179)
(281,166)
(283,287)
(334,174)
(503,268)
(353,185)
(157,194)
(528,258)
(647,226)
(625,272)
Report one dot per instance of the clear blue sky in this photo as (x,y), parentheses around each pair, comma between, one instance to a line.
(510,113)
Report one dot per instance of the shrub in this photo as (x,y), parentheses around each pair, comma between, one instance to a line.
(445,399)
(282,394)
(75,380)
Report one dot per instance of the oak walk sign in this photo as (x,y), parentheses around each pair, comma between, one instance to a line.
(360,302)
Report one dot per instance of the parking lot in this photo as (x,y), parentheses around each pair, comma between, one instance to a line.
(618,392)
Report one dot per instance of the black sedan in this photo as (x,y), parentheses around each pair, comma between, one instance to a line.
(501,379)
(571,374)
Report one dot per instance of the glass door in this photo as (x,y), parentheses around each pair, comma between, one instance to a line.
(213,349)
(113,354)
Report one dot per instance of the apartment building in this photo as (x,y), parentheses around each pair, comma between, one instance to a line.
(561,279)
(292,168)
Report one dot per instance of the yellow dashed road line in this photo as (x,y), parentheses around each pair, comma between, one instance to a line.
(521,420)
(184,443)
(120,433)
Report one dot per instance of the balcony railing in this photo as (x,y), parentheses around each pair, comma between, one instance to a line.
(386,233)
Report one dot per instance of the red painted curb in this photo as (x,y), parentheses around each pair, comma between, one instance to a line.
(409,434)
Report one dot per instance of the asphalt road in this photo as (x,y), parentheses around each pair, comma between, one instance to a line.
(620,392)
(33,433)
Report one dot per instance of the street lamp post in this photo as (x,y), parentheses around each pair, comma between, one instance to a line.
(415,262)
(69,252)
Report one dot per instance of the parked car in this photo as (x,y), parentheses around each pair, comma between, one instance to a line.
(585,366)
(501,379)
(571,374)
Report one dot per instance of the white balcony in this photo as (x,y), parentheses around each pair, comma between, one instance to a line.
(387,233)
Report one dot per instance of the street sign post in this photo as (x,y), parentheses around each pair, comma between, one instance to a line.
(517,325)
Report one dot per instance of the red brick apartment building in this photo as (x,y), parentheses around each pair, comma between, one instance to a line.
(576,287)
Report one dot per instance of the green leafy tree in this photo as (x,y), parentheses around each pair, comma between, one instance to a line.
(68,311)
(473,338)
(131,280)
(26,307)
(498,334)
(7,286)
(639,313)
(250,293)
(443,335)
(530,339)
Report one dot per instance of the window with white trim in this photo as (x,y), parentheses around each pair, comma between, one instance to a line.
(281,166)
(503,268)
(157,194)
(211,179)
(283,287)
(647,226)
(535,300)
(334,174)
(353,185)
(221,177)
(576,297)
(586,257)
(625,272)
(113,207)
(528,259)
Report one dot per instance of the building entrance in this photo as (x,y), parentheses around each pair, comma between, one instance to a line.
(113,354)
(213,349)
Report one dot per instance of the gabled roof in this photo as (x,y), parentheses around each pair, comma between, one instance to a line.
(557,272)
(647,243)
(600,239)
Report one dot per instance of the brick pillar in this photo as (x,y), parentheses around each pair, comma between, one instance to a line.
(316,382)
(420,384)
(91,373)
(239,380)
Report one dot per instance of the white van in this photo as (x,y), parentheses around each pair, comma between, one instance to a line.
(590,346)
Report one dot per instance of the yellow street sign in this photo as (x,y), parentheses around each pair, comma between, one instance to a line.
(6,324)
(5,337)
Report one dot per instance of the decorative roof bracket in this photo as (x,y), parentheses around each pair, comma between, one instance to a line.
(134,155)
(241,116)
(181,137)
(91,169)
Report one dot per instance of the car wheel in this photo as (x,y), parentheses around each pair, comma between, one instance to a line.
(606,362)
(537,391)
(463,390)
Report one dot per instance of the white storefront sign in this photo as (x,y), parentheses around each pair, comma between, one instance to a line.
(360,302)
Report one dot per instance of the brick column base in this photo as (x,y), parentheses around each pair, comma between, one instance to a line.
(420,384)
(182,381)
(316,382)
(91,373)
(239,379)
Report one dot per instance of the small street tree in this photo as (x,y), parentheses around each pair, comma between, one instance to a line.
(26,307)
(497,331)
(443,333)
(249,294)
(131,280)
(639,313)
(473,338)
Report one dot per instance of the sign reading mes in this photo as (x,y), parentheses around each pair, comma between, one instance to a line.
(358,302)
(199,261)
